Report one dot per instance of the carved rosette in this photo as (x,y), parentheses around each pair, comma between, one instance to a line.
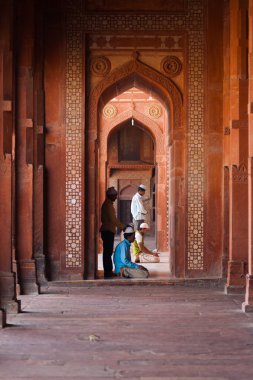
(100,66)
(109,111)
(171,66)
(154,111)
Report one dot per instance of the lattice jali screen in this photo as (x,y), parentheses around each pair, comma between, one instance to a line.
(73,138)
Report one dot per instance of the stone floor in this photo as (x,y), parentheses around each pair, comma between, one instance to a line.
(151,332)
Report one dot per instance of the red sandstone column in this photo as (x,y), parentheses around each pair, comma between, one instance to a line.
(248,304)
(8,300)
(238,184)
(24,147)
(39,148)
(225,253)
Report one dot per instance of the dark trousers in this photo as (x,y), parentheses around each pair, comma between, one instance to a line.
(108,242)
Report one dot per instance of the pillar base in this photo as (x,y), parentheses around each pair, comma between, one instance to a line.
(2,319)
(40,270)
(8,300)
(247,306)
(27,277)
(237,271)
(234,289)
(11,306)
(29,288)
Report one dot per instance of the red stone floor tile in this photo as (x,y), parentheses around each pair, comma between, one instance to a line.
(128,332)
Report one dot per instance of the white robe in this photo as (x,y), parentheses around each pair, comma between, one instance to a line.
(137,209)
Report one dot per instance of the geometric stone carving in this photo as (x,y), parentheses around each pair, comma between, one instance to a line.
(154,111)
(171,66)
(109,111)
(196,167)
(100,66)
(240,173)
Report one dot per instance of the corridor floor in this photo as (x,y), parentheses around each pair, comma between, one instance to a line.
(151,332)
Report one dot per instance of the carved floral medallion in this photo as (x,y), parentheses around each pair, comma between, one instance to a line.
(171,66)
(100,66)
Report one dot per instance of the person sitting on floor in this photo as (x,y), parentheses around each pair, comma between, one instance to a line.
(122,258)
(139,249)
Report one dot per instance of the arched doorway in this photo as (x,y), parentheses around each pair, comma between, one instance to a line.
(169,154)
(130,162)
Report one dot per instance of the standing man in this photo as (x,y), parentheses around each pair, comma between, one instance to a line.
(122,258)
(108,229)
(137,209)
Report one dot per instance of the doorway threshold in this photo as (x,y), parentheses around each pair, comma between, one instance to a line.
(194,282)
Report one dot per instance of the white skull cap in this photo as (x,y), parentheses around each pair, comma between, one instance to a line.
(144,225)
(111,191)
(129,230)
(142,187)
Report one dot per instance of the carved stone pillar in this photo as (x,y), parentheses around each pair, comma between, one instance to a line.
(238,229)
(24,147)
(8,301)
(238,147)
(39,148)
(225,253)
(248,304)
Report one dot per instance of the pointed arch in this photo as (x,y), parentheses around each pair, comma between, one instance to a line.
(149,125)
(143,76)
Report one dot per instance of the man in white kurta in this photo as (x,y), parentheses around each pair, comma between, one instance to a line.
(137,209)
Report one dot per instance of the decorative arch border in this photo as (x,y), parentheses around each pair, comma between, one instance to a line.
(193,25)
(143,77)
(138,71)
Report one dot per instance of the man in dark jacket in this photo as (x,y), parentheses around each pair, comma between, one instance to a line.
(108,229)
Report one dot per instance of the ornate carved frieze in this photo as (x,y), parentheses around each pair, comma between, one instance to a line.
(191,21)
(136,6)
(158,42)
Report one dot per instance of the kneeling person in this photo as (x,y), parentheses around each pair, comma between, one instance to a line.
(139,248)
(122,258)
